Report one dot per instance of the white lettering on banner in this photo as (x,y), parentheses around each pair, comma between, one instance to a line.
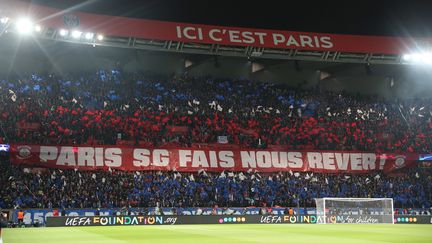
(66,157)
(179,35)
(267,159)
(247,37)
(86,156)
(81,156)
(37,216)
(213,159)
(278,38)
(383,158)
(78,221)
(129,158)
(193,33)
(190,33)
(316,40)
(306,41)
(328,161)
(113,157)
(302,41)
(279,163)
(326,40)
(184,157)
(292,41)
(248,159)
(251,37)
(99,154)
(271,219)
(234,36)
(261,36)
(48,153)
(227,159)
(342,160)
(295,160)
(369,161)
(264,159)
(160,157)
(356,161)
(212,34)
(219,35)
(141,157)
(315,160)
(200,159)
(360,220)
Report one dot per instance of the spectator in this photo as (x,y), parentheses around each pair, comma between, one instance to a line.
(110,107)
(79,189)
(95,109)
(20,217)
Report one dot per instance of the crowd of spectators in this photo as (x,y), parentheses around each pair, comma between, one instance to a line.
(110,107)
(53,188)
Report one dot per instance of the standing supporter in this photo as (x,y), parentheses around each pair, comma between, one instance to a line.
(55,212)
(20,217)
(291,211)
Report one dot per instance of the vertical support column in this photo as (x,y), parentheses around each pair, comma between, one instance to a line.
(324,211)
(392,210)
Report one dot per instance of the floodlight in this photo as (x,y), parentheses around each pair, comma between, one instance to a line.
(89,36)
(24,26)
(418,58)
(63,32)
(76,34)
(38,28)
(407,57)
(4,147)
(4,20)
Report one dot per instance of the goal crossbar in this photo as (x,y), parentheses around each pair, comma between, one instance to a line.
(356,210)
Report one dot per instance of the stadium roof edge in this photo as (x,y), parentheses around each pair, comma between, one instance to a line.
(217,40)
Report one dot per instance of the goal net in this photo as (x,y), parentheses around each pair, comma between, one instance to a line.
(354,210)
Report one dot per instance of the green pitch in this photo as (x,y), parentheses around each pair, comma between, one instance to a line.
(224,233)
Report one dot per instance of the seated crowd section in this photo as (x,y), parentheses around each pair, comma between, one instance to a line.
(53,188)
(135,109)
(110,107)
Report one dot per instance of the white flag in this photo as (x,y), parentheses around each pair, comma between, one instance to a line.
(223,139)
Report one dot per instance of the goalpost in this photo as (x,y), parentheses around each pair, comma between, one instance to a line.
(354,210)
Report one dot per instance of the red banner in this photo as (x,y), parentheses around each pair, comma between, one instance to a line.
(214,159)
(233,36)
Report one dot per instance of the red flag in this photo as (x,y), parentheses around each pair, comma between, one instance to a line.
(396,163)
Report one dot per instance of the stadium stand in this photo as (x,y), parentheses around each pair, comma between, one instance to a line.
(50,188)
(147,110)
(114,108)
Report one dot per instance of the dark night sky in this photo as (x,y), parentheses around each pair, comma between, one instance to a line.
(364,17)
